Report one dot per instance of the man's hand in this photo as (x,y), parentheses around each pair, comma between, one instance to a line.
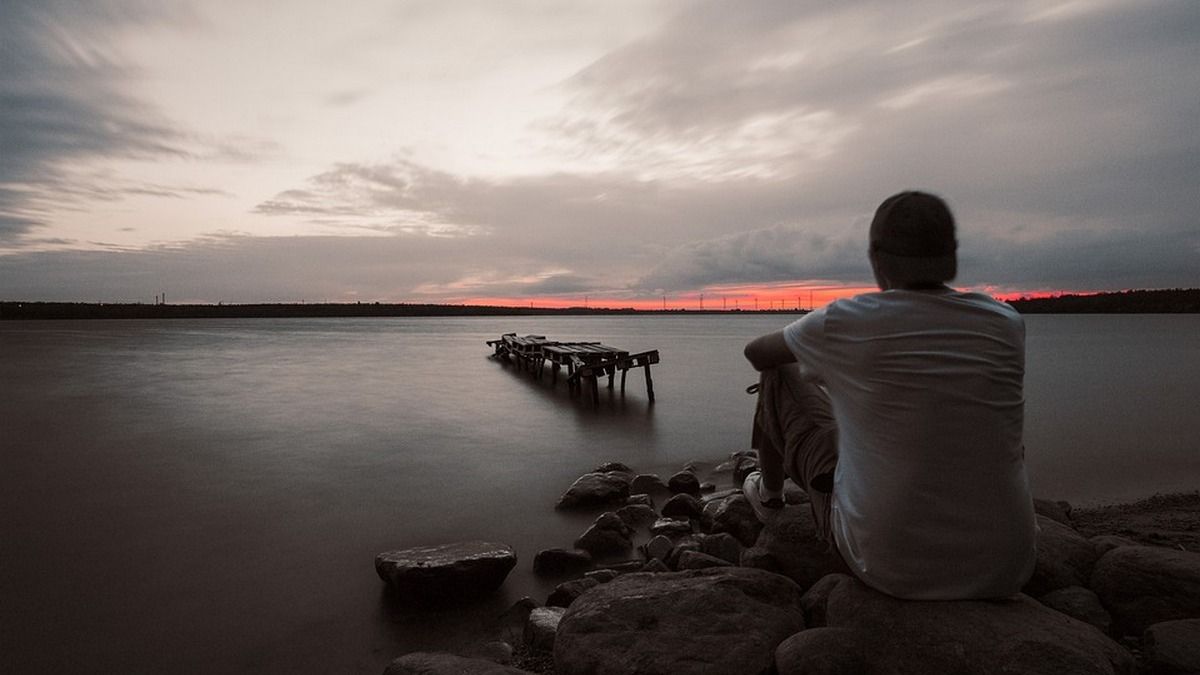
(769,351)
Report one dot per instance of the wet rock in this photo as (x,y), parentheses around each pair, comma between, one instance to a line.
(671,527)
(637,515)
(725,620)
(682,506)
(1079,603)
(1016,635)
(594,489)
(723,546)
(1064,558)
(613,466)
(1107,542)
(540,629)
(566,592)
(642,499)
(1172,648)
(440,663)
(788,545)
(658,548)
(1144,585)
(695,560)
(648,483)
(684,482)
(1057,511)
(559,561)
(608,535)
(736,516)
(446,572)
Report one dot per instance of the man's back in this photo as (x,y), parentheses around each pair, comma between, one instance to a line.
(930,495)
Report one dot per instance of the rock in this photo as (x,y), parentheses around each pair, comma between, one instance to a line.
(658,548)
(708,488)
(817,597)
(1057,511)
(603,576)
(1144,585)
(613,466)
(1079,603)
(682,545)
(559,561)
(682,506)
(594,489)
(821,651)
(794,495)
(725,620)
(540,629)
(655,565)
(691,467)
(695,560)
(1172,648)
(736,517)
(717,496)
(496,651)
(637,515)
(566,592)
(642,499)
(512,620)
(684,482)
(789,546)
(624,567)
(1016,635)
(1104,543)
(608,535)
(744,467)
(1064,558)
(723,546)
(439,663)
(671,527)
(447,572)
(648,483)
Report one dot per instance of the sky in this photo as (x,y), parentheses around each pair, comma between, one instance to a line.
(624,153)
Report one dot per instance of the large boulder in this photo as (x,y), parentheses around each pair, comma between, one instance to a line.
(788,545)
(1064,558)
(721,620)
(1144,585)
(439,663)
(1172,647)
(446,572)
(595,489)
(892,636)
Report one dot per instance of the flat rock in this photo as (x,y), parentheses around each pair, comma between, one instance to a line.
(726,620)
(1172,648)
(1145,585)
(1079,603)
(446,572)
(671,527)
(736,516)
(439,663)
(559,561)
(595,489)
(788,545)
(1064,558)
(695,560)
(886,635)
(540,629)
(655,565)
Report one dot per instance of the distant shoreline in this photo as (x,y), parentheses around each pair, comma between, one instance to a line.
(1166,301)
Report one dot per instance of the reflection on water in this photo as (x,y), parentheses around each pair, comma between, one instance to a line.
(198,496)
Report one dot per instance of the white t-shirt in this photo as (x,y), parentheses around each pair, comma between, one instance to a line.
(930,498)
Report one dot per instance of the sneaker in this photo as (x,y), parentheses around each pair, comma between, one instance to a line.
(764,509)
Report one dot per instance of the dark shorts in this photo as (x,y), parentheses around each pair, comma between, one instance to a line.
(794,418)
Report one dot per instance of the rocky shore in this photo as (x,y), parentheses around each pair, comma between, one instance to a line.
(675,575)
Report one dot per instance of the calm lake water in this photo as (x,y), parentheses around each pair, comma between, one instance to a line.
(209,496)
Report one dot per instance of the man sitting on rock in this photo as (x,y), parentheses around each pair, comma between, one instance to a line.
(900,413)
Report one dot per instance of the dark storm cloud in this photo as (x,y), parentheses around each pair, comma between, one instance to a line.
(62,103)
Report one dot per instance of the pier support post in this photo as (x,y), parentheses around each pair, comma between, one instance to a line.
(649,384)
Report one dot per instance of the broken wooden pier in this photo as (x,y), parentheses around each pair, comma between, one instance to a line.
(585,362)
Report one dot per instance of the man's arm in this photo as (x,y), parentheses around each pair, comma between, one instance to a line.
(769,351)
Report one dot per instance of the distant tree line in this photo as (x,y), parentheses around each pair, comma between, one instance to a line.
(1164,301)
